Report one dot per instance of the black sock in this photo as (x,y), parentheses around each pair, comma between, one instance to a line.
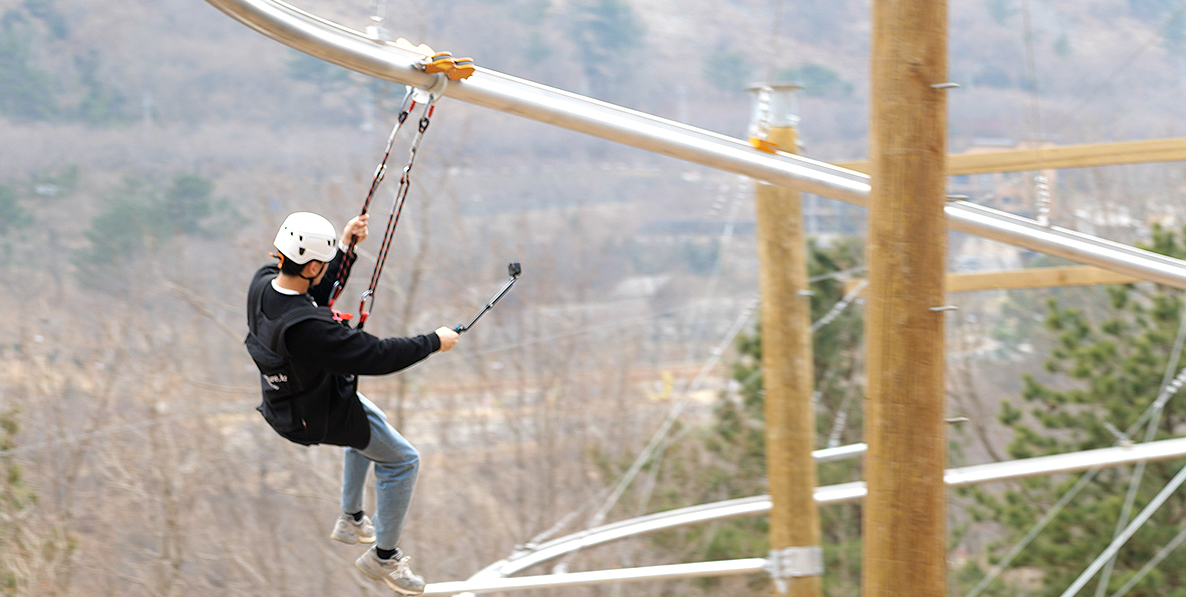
(357,516)
(386,554)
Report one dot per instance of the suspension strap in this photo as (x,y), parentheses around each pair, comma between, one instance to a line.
(401,194)
(406,107)
(446,68)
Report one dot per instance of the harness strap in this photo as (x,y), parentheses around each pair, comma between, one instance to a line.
(446,68)
(344,272)
(405,183)
(274,340)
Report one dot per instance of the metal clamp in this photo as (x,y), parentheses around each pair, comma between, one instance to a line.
(431,94)
(794,562)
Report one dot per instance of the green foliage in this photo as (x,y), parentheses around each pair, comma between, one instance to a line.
(56,183)
(12,215)
(727,71)
(535,12)
(326,76)
(1105,369)
(100,105)
(140,216)
(1062,46)
(26,91)
(1170,18)
(1153,10)
(537,48)
(120,231)
(817,80)
(1001,10)
(607,34)
(726,458)
(186,203)
(697,256)
(1164,241)
(45,11)
(14,494)
(991,75)
(1174,32)
(15,497)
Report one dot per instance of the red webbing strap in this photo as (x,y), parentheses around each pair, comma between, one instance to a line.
(406,107)
(405,182)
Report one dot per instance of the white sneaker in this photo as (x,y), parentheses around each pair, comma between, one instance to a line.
(347,530)
(394,572)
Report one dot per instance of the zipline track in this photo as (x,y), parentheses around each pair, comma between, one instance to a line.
(382,59)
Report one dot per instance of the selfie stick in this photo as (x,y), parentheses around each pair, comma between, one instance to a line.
(513,270)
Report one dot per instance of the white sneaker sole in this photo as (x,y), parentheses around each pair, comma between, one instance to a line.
(351,538)
(385,580)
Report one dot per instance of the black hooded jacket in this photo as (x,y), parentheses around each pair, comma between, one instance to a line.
(308,362)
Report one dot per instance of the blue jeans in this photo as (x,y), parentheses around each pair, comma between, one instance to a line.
(396,464)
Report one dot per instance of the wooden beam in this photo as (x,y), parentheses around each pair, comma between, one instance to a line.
(1074,275)
(904,538)
(1038,277)
(1070,156)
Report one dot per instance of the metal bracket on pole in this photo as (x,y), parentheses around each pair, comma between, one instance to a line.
(793,562)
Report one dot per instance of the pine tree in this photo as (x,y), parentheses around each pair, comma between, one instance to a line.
(726,459)
(1105,371)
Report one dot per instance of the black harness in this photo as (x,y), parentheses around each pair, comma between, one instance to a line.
(291,394)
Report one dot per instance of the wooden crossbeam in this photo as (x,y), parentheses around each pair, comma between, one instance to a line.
(1041,277)
(1070,156)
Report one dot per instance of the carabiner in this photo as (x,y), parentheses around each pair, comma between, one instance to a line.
(363,312)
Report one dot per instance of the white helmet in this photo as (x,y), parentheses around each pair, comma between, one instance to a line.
(306,236)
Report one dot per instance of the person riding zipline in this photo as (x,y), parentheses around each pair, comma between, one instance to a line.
(309,362)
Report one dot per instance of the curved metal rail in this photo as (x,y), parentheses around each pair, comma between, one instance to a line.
(378,58)
(495,576)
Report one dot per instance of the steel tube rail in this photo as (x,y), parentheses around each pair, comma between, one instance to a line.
(1061,242)
(1072,462)
(833,494)
(840,452)
(354,50)
(572,579)
(737,508)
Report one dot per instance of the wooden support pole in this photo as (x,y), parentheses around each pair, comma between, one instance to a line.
(787,373)
(904,539)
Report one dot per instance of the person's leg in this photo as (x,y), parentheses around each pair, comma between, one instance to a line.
(396,465)
(355,467)
(349,529)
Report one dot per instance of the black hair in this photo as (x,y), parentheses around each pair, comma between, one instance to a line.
(291,268)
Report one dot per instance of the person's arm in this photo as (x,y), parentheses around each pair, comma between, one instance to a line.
(356,230)
(339,349)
